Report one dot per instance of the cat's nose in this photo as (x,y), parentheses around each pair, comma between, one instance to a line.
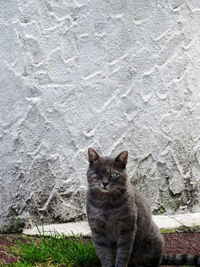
(105,183)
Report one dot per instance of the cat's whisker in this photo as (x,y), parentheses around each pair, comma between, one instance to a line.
(95,187)
(120,193)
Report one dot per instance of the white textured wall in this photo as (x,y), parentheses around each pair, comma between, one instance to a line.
(111,74)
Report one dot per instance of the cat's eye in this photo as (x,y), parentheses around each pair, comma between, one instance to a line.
(113,174)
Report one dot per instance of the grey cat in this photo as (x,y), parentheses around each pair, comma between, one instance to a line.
(120,218)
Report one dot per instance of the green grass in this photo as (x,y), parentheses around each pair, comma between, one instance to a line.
(56,251)
(181,229)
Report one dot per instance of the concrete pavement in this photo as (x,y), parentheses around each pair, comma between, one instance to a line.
(82,228)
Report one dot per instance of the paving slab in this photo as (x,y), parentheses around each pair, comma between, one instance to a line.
(69,229)
(82,228)
(166,222)
(190,219)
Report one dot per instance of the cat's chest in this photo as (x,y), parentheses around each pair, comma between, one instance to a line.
(108,221)
(111,224)
(106,213)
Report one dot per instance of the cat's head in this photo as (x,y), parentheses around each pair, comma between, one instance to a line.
(106,174)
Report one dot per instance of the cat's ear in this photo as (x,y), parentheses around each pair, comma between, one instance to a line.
(122,158)
(92,155)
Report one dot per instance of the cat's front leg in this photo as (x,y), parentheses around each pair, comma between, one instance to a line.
(124,248)
(104,249)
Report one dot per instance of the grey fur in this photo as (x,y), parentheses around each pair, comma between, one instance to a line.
(119,216)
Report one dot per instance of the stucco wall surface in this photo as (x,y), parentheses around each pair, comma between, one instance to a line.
(111,74)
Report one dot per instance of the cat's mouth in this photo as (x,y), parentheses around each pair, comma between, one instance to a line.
(105,189)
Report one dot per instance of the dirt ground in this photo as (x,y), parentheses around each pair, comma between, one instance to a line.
(175,243)
(7,241)
(182,243)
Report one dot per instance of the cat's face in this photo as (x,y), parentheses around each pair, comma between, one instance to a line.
(106,174)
